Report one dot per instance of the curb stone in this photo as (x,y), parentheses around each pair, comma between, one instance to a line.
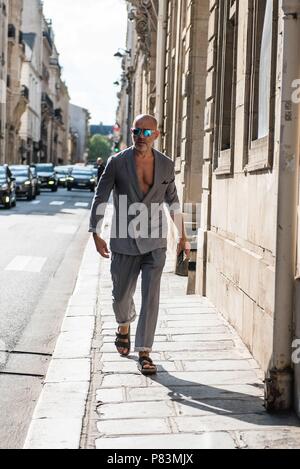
(58,416)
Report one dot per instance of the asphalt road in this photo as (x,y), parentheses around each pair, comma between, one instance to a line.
(41,247)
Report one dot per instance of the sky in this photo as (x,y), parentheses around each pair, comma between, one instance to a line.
(87,35)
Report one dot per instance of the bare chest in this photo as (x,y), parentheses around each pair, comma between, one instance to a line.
(145,173)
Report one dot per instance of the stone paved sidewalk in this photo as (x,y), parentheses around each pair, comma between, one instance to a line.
(208,392)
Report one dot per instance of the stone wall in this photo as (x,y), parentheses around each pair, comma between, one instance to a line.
(237,241)
(183,75)
(4,11)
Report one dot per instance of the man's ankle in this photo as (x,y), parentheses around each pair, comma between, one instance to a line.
(123,329)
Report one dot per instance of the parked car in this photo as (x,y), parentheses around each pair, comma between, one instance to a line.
(47,176)
(81,178)
(62,174)
(8,196)
(35,176)
(94,170)
(95,173)
(26,184)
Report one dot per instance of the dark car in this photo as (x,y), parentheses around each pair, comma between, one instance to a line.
(95,173)
(26,184)
(62,174)
(94,170)
(35,176)
(8,196)
(81,178)
(47,176)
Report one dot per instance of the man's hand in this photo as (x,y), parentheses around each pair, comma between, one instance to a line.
(101,246)
(185,246)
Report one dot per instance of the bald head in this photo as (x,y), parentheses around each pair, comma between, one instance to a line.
(145,119)
(144,143)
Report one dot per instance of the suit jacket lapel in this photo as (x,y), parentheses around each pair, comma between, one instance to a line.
(133,179)
(158,168)
(157,171)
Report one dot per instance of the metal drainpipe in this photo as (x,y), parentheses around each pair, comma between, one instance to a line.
(279,387)
(160,66)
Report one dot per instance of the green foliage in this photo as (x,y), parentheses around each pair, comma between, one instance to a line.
(99,147)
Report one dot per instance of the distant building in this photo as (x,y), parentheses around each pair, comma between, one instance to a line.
(17,92)
(73,142)
(3,75)
(101,129)
(30,131)
(60,117)
(34,100)
(79,125)
(63,104)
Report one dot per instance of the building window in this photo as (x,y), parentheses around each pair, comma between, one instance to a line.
(264,78)
(225,99)
(261,64)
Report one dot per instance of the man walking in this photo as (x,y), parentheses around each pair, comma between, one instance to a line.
(100,168)
(142,180)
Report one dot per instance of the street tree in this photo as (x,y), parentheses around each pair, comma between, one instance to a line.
(99,147)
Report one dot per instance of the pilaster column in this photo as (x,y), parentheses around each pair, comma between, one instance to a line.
(278,393)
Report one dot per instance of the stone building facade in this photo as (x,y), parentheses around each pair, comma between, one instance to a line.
(164,75)
(3,75)
(34,100)
(73,144)
(55,103)
(17,91)
(222,78)
(47,98)
(63,156)
(59,119)
(30,131)
(79,125)
(247,249)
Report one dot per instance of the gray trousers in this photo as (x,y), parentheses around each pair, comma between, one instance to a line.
(125,271)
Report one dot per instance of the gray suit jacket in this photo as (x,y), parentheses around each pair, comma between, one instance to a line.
(139,224)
